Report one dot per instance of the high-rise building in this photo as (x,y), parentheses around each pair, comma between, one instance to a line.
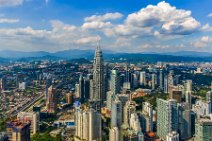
(177,95)
(172,136)
(110,99)
(3,83)
(185,121)
(84,88)
(18,130)
(51,100)
(70,98)
(129,108)
(114,134)
(116,113)
(143,78)
(161,79)
(88,125)
(203,129)
(33,118)
(209,100)
(188,85)
(77,91)
(147,117)
(167,117)
(115,82)
(98,77)
(153,81)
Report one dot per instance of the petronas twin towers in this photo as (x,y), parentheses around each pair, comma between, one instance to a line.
(98,76)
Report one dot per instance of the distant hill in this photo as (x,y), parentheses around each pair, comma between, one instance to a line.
(188,54)
(108,55)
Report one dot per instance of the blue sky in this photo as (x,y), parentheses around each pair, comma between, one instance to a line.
(121,25)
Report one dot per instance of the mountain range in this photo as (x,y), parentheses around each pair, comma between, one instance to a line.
(88,54)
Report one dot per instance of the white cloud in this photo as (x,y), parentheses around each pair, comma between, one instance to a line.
(206,27)
(165,18)
(87,40)
(8,3)
(96,25)
(6,20)
(206,39)
(209,15)
(105,17)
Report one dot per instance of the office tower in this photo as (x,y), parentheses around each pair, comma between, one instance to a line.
(3,83)
(172,136)
(135,123)
(51,100)
(70,98)
(129,108)
(188,85)
(116,113)
(18,130)
(88,124)
(98,77)
(115,82)
(167,117)
(33,118)
(84,88)
(48,84)
(123,98)
(147,117)
(143,78)
(77,91)
(127,83)
(153,81)
(114,134)
(177,95)
(166,84)
(91,91)
(188,98)
(81,88)
(110,98)
(185,121)
(161,79)
(170,81)
(135,80)
(209,100)
(203,129)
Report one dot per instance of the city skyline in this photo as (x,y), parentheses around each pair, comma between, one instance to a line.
(138,26)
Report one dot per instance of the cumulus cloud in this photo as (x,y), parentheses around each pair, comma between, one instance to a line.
(87,40)
(105,17)
(206,27)
(145,29)
(164,18)
(96,25)
(8,3)
(6,20)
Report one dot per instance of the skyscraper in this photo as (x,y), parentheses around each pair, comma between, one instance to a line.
(51,100)
(33,118)
(143,78)
(203,130)
(88,124)
(98,77)
(116,114)
(18,130)
(167,117)
(114,82)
